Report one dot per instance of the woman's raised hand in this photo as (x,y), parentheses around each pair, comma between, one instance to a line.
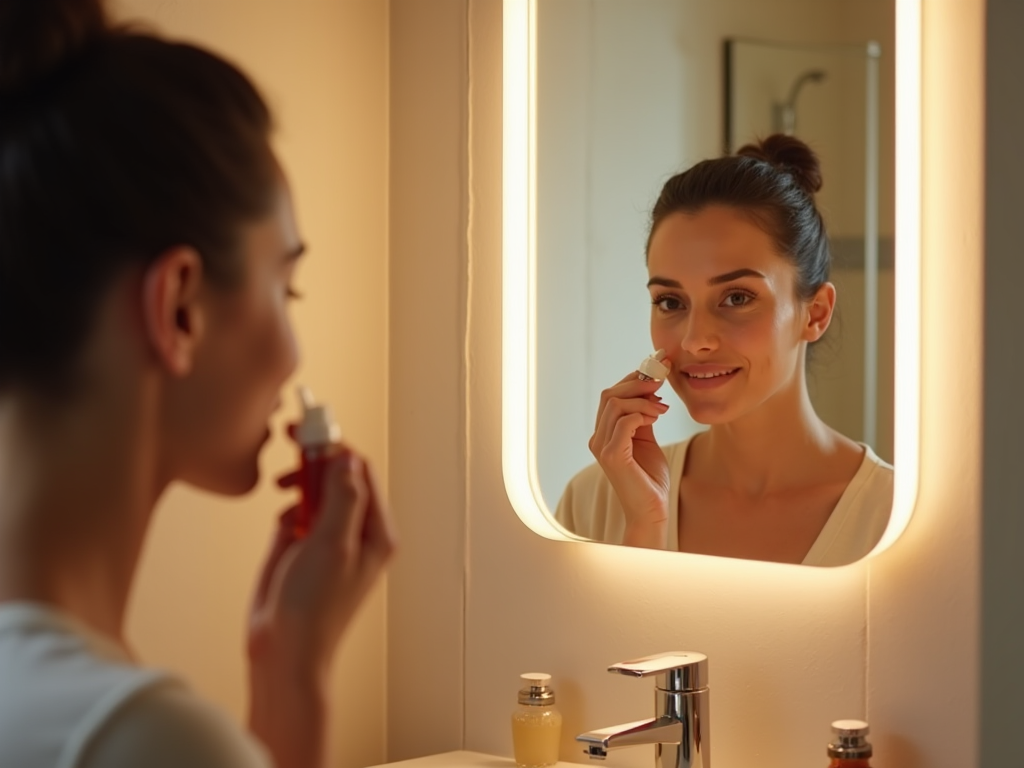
(623,444)
(307,595)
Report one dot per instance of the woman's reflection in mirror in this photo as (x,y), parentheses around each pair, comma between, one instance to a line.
(738,272)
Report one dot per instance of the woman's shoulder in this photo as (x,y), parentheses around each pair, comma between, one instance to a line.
(61,678)
(170,721)
(860,518)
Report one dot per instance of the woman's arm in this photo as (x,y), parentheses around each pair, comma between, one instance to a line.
(308,594)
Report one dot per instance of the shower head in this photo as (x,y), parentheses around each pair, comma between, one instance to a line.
(810,76)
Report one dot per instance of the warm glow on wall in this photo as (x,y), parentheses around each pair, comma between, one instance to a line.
(519,449)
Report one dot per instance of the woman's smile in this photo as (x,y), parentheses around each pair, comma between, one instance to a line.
(707,376)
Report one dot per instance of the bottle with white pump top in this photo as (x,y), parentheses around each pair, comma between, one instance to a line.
(536,724)
(849,748)
(318,436)
(651,368)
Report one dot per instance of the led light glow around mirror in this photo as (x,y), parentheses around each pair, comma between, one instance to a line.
(519,442)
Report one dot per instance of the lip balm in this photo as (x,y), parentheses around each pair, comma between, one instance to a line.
(651,368)
(318,436)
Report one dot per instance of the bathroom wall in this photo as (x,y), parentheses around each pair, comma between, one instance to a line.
(323,66)
(895,640)
(1002,574)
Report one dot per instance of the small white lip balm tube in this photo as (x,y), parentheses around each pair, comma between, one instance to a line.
(651,368)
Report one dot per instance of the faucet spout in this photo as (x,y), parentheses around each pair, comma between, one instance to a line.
(653,730)
(679,729)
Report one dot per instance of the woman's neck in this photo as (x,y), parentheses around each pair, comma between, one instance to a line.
(776,447)
(77,486)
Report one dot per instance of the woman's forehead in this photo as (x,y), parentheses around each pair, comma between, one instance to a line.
(715,240)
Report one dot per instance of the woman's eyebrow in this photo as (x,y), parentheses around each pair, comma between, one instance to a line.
(669,283)
(665,282)
(728,276)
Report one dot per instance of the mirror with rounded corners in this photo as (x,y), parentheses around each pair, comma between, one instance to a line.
(605,100)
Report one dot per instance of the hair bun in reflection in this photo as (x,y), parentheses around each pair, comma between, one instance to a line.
(788,154)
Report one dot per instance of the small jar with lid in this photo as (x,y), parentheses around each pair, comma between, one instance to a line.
(849,747)
(536,723)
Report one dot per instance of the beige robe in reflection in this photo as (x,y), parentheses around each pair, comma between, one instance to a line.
(590,508)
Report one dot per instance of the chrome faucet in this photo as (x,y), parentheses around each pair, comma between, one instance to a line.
(680,728)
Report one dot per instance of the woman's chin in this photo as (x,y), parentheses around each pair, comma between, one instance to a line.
(227,478)
(709,415)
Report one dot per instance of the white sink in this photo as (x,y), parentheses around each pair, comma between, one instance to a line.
(462,759)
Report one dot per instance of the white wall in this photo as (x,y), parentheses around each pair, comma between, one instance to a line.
(894,640)
(323,67)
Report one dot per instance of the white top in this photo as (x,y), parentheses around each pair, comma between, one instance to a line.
(70,698)
(590,508)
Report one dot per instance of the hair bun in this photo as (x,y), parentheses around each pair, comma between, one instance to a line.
(789,154)
(37,36)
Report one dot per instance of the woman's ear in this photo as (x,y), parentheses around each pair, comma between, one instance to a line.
(819,312)
(171,308)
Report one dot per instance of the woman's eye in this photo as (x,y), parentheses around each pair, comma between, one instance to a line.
(738,299)
(668,303)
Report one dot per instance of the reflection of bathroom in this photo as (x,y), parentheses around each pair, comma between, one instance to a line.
(615,63)
(827,94)
(784,112)
(390,121)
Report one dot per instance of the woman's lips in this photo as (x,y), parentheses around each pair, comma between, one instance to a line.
(708,376)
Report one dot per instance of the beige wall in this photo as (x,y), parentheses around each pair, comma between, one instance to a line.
(895,639)
(323,67)
(427,399)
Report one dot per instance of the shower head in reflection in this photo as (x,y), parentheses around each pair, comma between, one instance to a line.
(784,115)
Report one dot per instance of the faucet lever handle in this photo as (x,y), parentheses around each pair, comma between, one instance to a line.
(677,670)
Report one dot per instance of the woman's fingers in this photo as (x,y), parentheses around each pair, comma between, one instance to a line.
(618,448)
(379,529)
(283,539)
(631,386)
(345,500)
(617,408)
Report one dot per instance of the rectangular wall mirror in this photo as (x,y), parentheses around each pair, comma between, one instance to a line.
(606,100)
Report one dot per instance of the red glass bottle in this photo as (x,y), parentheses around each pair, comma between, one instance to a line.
(318,436)
(849,747)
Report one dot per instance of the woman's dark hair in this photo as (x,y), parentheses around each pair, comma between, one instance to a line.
(115,145)
(773,182)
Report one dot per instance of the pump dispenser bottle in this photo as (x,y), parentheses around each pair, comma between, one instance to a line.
(849,747)
(651,368)
(318,436)
(536,724)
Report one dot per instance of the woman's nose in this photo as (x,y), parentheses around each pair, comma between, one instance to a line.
(699,335)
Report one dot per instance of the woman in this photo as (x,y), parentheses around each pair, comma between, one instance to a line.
(738,264)
(147,245)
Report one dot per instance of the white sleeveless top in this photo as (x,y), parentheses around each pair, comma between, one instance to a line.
(590,508)
(70,698)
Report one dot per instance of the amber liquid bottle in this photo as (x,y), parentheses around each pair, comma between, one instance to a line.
(849,747)
(536,723)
